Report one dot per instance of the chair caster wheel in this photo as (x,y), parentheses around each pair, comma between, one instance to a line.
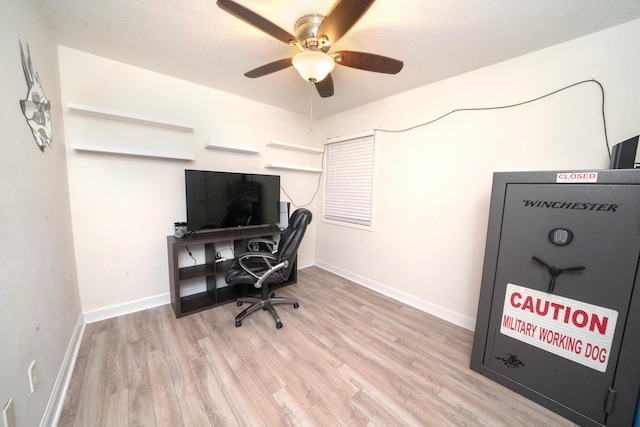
(238,323)
(296,305)
(238,303)
(279,325)
(273,295)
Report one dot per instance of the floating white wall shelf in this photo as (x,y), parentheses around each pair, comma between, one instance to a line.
(291,168)
(104,113)
(222,147)
(134,152)
(295,147)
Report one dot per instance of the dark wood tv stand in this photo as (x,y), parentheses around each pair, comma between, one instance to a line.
(212,268)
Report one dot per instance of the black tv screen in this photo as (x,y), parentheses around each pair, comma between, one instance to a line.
(221,200)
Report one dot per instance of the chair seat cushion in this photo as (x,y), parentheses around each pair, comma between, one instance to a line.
(237,275)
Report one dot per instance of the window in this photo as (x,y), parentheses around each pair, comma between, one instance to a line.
(349,173)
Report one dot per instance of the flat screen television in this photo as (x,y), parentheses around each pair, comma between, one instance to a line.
(222,200)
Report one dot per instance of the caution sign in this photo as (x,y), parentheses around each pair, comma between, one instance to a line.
(568,328)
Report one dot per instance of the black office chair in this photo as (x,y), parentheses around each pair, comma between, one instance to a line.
(269,268)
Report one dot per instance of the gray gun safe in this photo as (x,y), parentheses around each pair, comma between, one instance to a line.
(559,308)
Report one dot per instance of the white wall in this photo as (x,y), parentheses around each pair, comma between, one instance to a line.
(433,182)
(123,207)
(38,286)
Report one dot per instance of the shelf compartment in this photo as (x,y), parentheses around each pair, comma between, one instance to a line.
(232,148)
(120,116)
(291,168)
(134,152)
(196,302)
(196,271)
(295,147)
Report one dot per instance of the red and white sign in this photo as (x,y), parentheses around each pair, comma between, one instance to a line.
(568,328)
(573,177)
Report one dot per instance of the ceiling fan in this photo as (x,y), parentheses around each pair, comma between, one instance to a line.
(314,35)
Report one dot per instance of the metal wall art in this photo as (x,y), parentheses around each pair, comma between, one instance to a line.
(36,108)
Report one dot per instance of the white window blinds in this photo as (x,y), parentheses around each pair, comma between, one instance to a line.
(349,173)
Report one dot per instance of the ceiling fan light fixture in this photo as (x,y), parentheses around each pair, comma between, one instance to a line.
(313,65)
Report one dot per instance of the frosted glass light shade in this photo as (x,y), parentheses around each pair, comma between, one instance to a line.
(313,65)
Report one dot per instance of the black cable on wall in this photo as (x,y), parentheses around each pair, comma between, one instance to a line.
(502,107)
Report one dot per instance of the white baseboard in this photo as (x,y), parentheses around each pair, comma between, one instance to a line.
(56,400)
(426,306)
(125,308)
(450,316)
(305,264)
(116,310)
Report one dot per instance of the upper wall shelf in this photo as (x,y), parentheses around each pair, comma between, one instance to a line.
(134,152)
(222,147)
(103,113)
(295,147)
(291,168)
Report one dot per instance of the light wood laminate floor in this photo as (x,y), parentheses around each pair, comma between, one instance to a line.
(347,357)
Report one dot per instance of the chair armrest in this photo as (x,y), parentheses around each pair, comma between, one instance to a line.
(266,257)
(255,243)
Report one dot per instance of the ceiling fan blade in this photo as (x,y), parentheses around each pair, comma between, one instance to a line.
(256,20)
(369,62)
(325,87)
(342,16)
(269,68)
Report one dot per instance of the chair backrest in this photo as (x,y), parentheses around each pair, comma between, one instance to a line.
(291,238)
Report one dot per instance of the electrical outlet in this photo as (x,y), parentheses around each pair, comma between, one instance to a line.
(9,414)
(33,376)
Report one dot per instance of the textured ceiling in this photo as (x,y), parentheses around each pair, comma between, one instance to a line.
(196,41)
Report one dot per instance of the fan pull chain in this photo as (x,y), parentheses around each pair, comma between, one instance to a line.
(311,87)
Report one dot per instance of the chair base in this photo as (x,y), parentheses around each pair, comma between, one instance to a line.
(264,304)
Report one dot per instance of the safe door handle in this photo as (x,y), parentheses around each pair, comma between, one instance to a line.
(555,271)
